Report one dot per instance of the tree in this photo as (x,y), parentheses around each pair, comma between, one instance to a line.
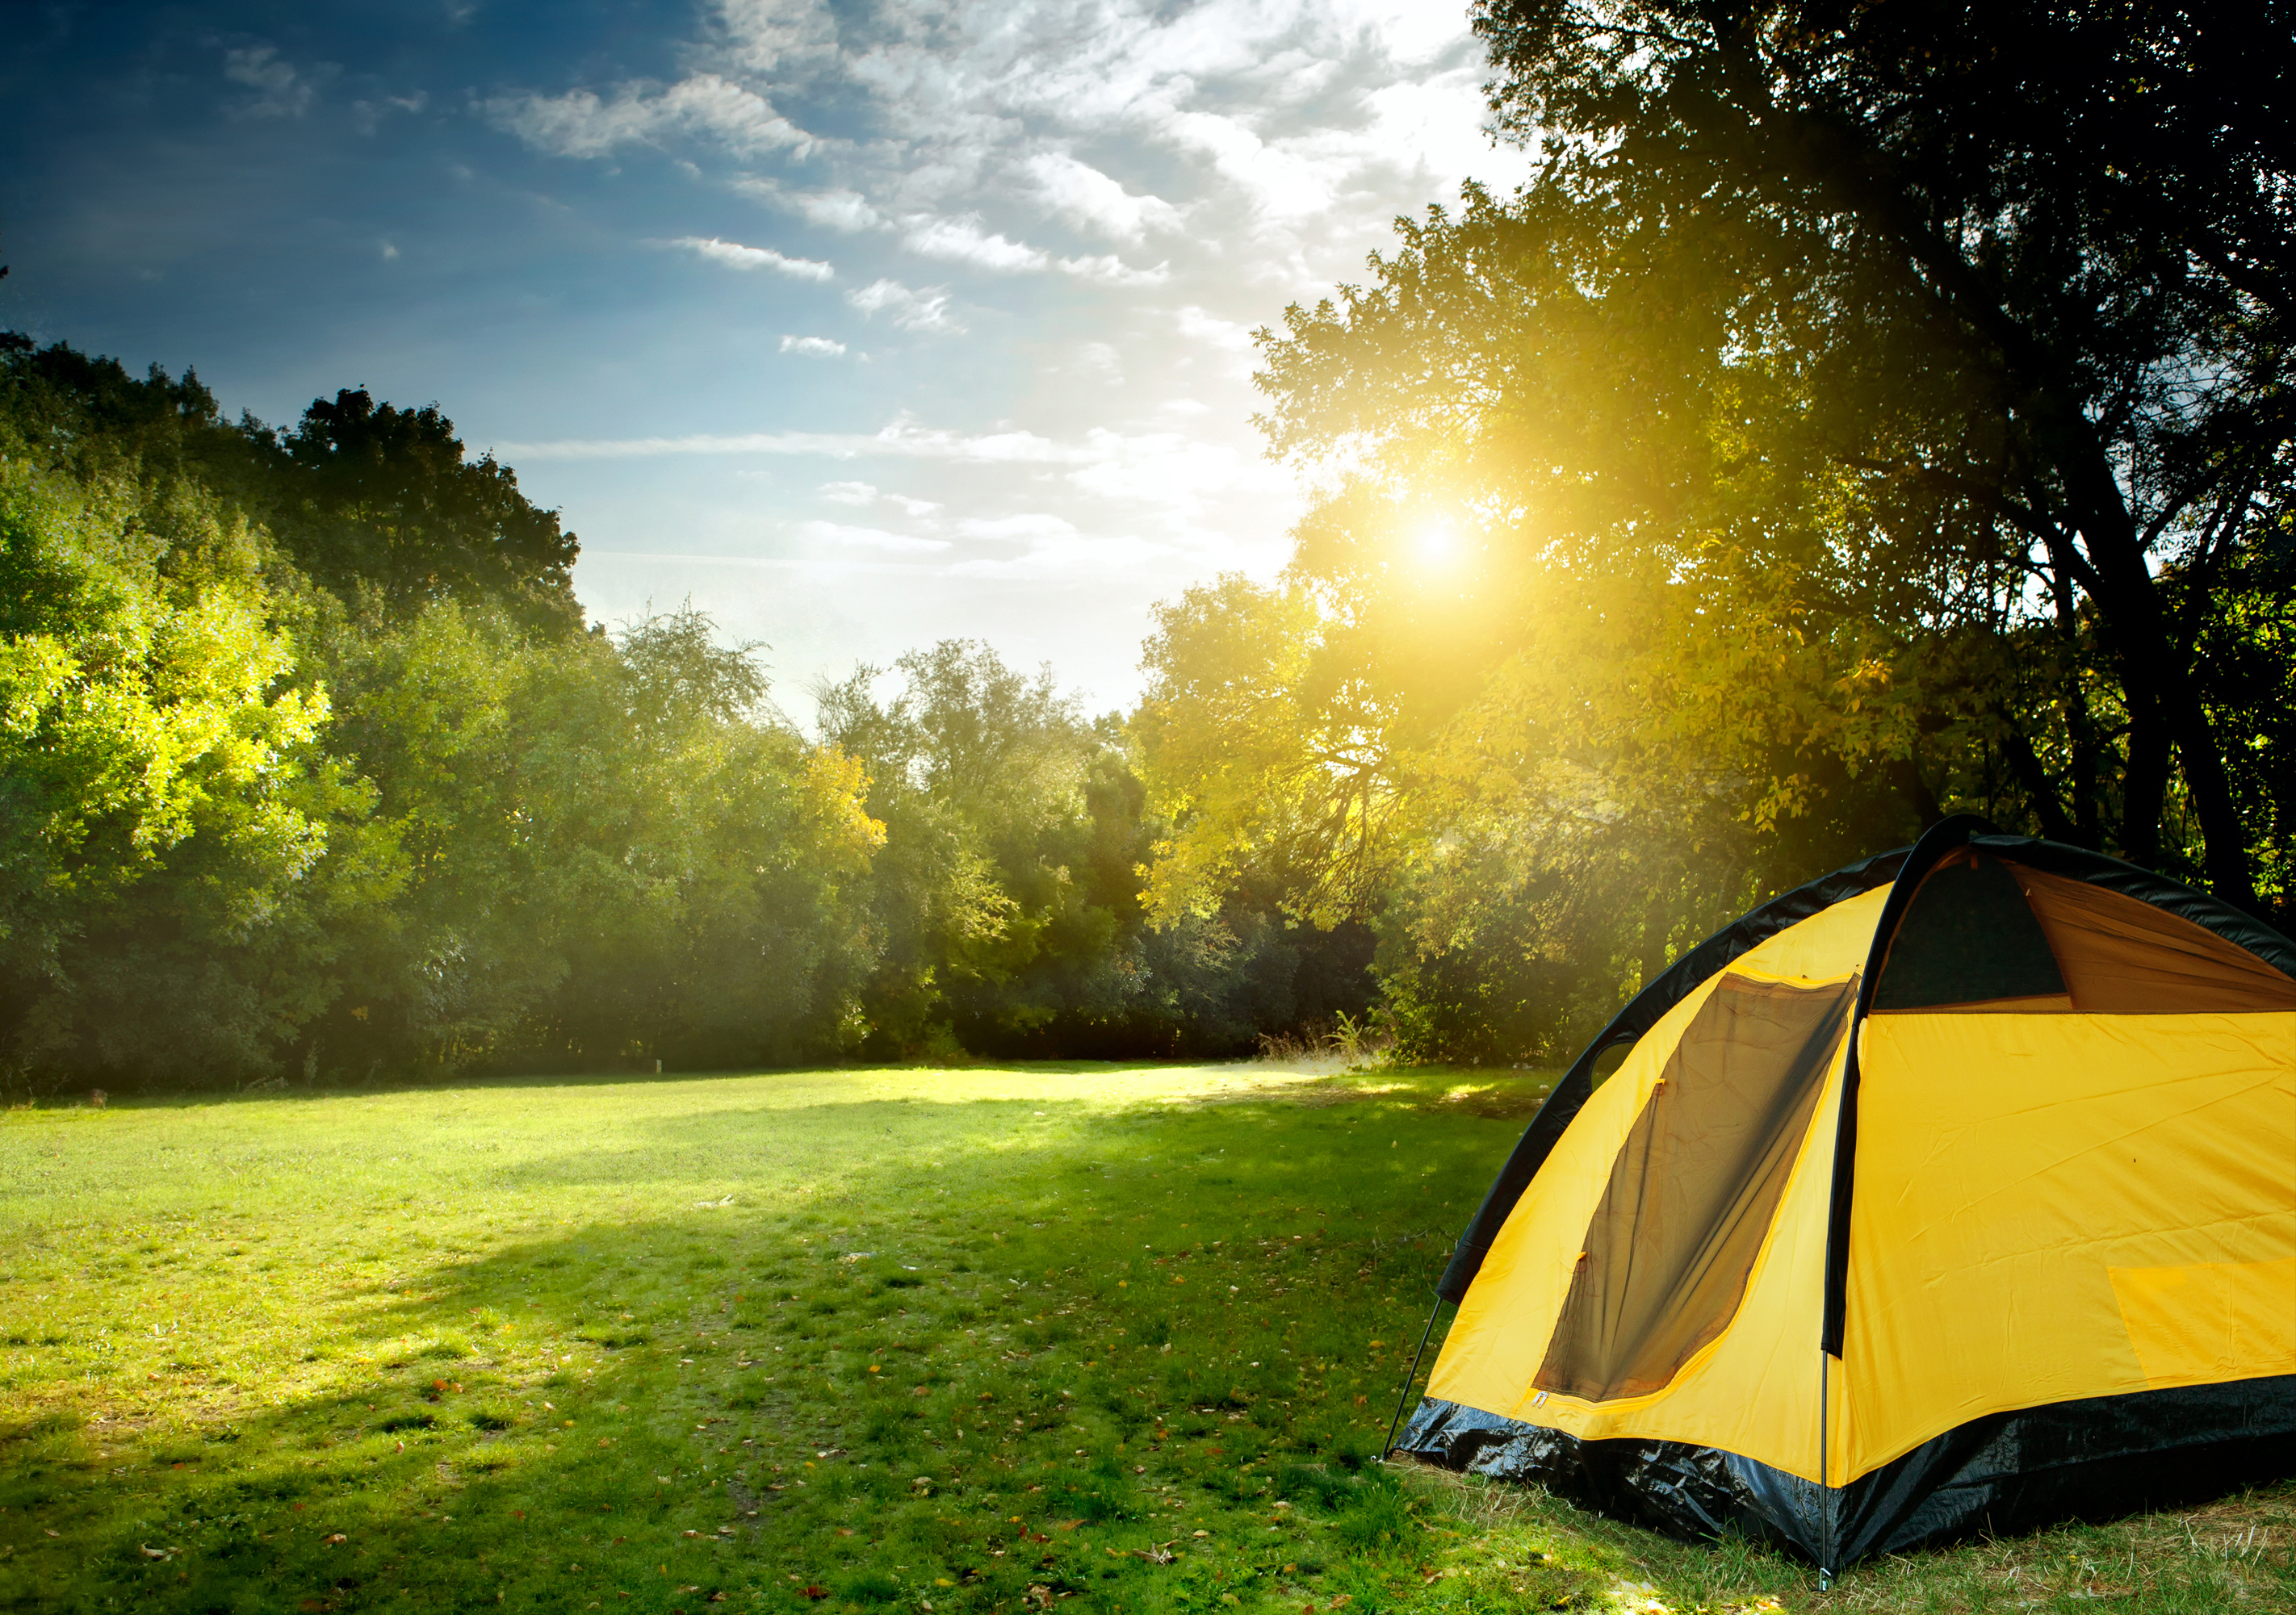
(612,853)
(251,828)
(1271,748)
(370,502)
(1857,396)
(169,823)
(383,497)
(1007,899)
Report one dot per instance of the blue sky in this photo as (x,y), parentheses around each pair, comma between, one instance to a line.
(862,326)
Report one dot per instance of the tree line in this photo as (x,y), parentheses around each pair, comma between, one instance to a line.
(1861,414)
(311,770)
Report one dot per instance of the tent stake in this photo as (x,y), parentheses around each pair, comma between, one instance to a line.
(1403,1395)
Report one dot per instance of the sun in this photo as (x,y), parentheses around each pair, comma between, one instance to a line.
(1436,544)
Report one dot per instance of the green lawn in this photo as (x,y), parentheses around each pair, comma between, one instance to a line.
(943,1340)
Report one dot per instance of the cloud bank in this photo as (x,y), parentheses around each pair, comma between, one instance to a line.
(1059,222)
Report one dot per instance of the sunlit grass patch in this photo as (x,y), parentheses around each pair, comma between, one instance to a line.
(974,1340)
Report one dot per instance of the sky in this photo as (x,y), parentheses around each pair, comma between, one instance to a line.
(858,326)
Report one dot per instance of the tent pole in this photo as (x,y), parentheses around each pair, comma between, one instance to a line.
(1403,1395)
(1824,1493)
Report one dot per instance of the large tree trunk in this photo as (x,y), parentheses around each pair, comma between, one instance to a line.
(2164,710)
(2164,707)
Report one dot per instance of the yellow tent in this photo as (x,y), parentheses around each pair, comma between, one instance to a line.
(1954,1190)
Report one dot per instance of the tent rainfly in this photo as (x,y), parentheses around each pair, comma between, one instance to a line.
(1954,1191)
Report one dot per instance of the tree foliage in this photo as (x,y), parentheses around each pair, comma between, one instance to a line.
(380,499)
(1862,413)
(306,769)
(1009,896)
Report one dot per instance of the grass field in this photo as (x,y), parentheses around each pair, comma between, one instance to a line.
(943,1340)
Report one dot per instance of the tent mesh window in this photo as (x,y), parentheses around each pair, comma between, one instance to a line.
(1970,938)
(1987,936)
(1692,1190)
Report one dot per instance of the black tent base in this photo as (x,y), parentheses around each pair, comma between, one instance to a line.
(2097,1459)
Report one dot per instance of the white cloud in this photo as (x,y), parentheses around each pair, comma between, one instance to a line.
(1283,179)
(1197,326)
(1112,271)
(762,36)
(963,240)
(1084,195)
(740,119)
(280,91)
(576,124)
(1154,467)
(815,347)
(735,256)
(926,310)
(1228,341)
(841,210)
(706,106)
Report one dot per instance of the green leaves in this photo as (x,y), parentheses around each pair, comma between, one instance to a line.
(1856,417)
(248,831)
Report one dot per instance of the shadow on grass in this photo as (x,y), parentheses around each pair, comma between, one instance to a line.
(1112,1331)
